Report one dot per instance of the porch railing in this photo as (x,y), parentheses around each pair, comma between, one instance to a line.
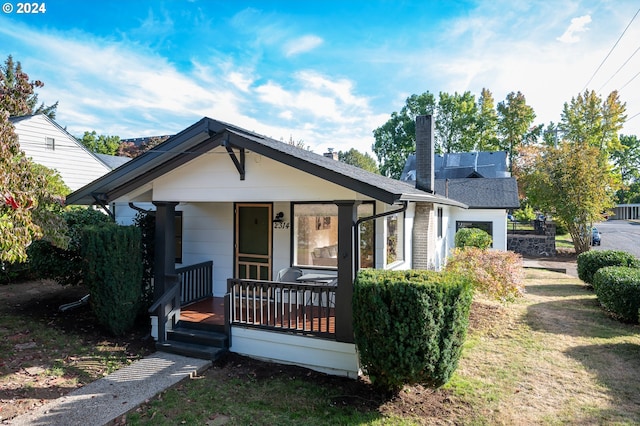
(166,306)
(280,306)
(196,282)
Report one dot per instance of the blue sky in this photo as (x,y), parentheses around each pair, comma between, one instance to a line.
(327,72)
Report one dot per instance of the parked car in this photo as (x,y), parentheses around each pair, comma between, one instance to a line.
(595,237)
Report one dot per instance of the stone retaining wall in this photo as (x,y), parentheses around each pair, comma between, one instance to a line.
(533,244)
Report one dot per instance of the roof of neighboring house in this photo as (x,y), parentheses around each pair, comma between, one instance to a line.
(207,134)
(481,193)
(113,161)
(458,165)
(477,179)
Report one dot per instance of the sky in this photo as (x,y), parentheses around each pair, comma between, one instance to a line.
(323,72)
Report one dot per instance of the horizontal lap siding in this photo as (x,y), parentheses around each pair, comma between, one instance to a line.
(74,163)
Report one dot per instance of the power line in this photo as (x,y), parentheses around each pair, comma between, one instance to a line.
(621,66)
(614,46)
(633,116)
(632,78)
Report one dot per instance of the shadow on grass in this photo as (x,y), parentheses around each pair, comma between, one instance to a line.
(577,317)
(617,367)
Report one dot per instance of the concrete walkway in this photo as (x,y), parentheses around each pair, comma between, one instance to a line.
(112,396)
(557,264)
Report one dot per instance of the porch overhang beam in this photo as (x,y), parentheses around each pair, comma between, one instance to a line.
(239,163)
(101,200)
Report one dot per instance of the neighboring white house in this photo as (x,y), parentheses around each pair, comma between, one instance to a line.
(255,206)
(48,144)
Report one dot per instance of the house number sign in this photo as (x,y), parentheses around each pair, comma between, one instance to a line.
(281,225)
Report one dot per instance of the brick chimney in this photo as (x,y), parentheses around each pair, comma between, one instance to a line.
(331,154)
(424,153)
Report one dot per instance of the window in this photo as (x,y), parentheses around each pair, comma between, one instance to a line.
(50,144)
(395,237)
(485,226)
(440,214)
(178,236)
(315,235)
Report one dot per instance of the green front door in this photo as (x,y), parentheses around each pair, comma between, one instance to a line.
(253,241)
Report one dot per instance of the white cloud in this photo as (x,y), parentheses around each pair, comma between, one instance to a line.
(302,45)
(577,25)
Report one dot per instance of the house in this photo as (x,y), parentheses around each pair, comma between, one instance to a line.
(266,239)
(481,181)
(48,144)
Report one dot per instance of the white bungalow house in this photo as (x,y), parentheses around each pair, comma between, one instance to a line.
(266,239)
(48,144)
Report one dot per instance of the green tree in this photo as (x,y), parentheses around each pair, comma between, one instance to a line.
(100,144)
(572,183)
(358,159)
(456,122)
(487,122)
(13,87)
(515,119)
(395,140)
(31,196)
(588,118)
(627,163)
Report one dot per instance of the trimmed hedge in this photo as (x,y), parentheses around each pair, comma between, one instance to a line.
(590,261)
(472,237)
(113,273)
(618,290)
(409,326)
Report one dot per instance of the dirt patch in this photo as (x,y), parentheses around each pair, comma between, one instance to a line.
(46,353)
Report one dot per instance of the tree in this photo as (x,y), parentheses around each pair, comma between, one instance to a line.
(572,183)
(395,140)
(100,144)
(456,122)
(23,101)
(587,118)
(31,196)
(358,159)
(515,118)
(627,163)
(487,122)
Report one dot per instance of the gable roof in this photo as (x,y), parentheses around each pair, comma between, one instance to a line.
(207,134)
(481,193)
(113,161)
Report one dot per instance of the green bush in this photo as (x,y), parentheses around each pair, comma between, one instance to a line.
(473,237)
(409,326)
(618,290)
(64,266)
(112,265)
(497,274)
(525,214)
(561,228)
(590,261)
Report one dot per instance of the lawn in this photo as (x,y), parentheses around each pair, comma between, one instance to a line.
(552,357)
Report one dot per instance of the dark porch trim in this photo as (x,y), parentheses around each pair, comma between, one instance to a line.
(347,218)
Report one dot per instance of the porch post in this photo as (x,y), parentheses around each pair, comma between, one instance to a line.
(164,248)
(347,217)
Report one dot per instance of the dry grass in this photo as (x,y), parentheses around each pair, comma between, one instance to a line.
(554,357)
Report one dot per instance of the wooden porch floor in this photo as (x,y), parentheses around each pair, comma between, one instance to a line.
(211,311)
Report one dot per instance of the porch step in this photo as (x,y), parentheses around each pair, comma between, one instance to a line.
(193,350)
(200,337)
(195,342)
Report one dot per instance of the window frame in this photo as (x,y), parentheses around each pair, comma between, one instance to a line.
(49,143)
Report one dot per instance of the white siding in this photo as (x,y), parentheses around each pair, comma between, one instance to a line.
(76,165)
(213,177)
(497,217)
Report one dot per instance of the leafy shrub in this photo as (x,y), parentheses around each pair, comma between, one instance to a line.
(525,214)
(497,274)
(618,290)
(64,266)
(409,326)
(590,261)
(561,228)
(112,268)
(473,237)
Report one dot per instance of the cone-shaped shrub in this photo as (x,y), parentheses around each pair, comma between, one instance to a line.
(409,326)
(113,274)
